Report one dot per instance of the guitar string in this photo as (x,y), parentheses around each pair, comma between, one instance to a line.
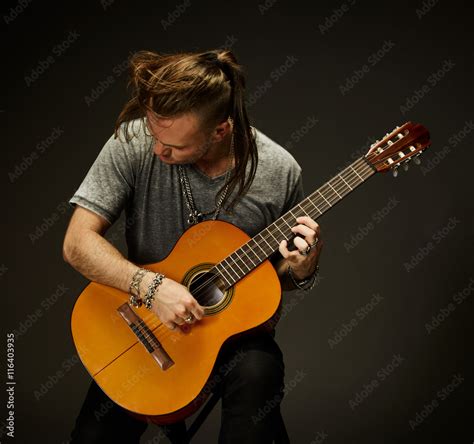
(311,203)
(352,182)
(354,166)
(360,165)
(269,229)
(167,332)
(357,167)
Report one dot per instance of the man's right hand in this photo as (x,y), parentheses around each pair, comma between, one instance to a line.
(173,302)
(86,249)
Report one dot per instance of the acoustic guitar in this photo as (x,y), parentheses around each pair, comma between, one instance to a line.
(163,375)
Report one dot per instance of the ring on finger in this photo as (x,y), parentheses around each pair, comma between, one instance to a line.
(305,252)
(189,318)
(309,248)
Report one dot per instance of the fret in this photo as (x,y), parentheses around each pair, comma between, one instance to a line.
(283,219)
(225,279)
(270,231)
(278,228)
(340,197)
(250,251)
(302,209)
(235,262)
(242,264)
(240,258)
(345,182)
(315,206)
(230,268)
(261,235)
(324,198)
(293,216)
(306,210)
(258,245)
(221,273)
(343,188)
(243,260)
(355,172)
(242,248)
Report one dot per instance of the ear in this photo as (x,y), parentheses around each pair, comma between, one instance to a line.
(221,130)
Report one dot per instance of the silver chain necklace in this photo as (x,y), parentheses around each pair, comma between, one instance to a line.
(196,216)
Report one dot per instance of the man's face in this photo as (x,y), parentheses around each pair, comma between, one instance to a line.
(179,140)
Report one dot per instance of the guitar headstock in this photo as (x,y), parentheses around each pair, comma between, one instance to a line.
(399,147)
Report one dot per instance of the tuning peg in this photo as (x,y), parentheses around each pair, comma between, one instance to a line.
(405,165)
(395,171)
(417,160)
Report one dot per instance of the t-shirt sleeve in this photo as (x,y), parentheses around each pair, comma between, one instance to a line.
(109,182)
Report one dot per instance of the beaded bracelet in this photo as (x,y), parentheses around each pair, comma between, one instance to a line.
(311,279)
(135,299)
(150,294)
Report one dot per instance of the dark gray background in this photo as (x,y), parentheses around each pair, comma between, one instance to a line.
(36,278)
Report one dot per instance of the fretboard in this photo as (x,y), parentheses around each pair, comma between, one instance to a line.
(247,257)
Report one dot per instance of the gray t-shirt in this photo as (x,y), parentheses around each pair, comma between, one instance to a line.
(129,176)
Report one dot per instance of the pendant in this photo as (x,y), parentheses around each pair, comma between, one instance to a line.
(195,217)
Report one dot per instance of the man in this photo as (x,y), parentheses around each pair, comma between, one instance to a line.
(182,143)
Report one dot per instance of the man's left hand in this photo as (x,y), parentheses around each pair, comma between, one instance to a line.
(301,265)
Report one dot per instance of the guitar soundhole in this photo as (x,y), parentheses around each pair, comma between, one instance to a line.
(205,289)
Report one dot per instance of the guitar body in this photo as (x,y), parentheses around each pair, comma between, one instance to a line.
(123,367)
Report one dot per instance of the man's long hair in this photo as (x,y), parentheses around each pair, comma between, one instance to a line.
(211,84)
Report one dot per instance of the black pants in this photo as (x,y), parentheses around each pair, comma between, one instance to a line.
(250,378)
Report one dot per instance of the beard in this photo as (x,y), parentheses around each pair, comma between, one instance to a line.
(201,152)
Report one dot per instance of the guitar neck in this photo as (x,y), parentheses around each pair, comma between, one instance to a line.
(243,260)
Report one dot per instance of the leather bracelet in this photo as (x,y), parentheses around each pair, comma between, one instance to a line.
(302,285)
(150,294)
(134,289)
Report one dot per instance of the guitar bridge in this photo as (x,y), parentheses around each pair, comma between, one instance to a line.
(145,336)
